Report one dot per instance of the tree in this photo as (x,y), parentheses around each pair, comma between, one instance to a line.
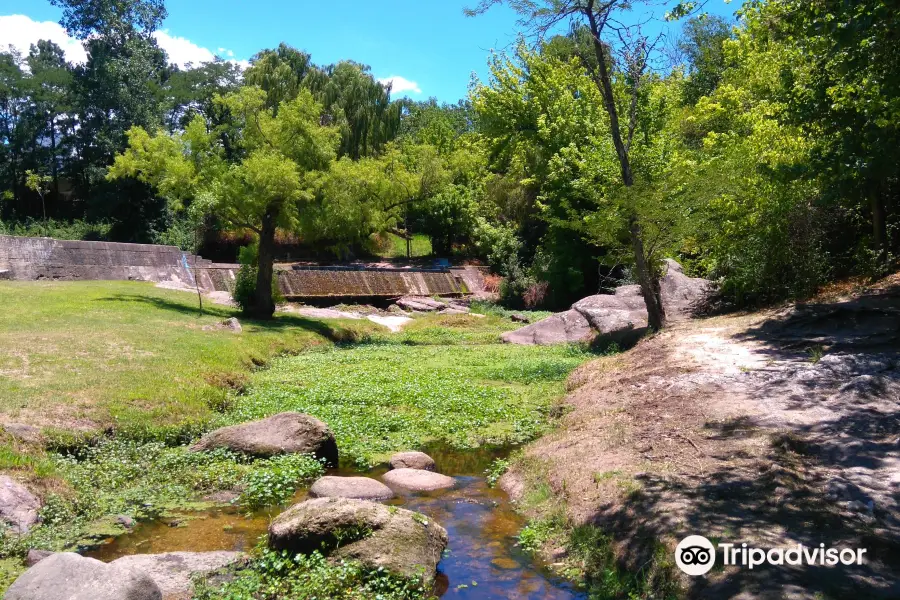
(40,184)
(279,154)
(602,17)
(701,46)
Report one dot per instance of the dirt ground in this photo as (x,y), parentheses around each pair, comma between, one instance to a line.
(774,429)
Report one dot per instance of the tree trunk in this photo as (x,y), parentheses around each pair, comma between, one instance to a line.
(879,225)
(646,276)
(656,312)
(263,304)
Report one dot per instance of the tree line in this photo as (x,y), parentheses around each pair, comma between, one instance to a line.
(762,153)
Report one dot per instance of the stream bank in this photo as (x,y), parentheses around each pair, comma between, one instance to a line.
(483,559)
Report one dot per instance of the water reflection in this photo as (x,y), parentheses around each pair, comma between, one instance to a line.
(482,559)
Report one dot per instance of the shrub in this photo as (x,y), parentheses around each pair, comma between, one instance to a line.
(535,294)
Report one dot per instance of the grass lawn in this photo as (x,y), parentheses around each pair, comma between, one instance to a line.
(420,246)
(137,364)
(89,355)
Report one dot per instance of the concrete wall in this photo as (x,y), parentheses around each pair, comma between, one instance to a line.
(323,282)
(46,258)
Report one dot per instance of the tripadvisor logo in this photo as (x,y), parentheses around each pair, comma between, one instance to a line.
(696,555)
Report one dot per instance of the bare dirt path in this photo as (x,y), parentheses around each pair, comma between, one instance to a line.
(771,429)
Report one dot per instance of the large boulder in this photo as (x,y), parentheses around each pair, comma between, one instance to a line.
(284,433)
(18,506)
(173,571)
(416,480)
(421,304)
(69,576)
(566,327)
(620,316)
(412,460)
(360,488)
(398,540)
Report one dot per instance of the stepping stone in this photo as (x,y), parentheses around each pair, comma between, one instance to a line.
(412,460)
(416,480)
(397,540)
(357,488)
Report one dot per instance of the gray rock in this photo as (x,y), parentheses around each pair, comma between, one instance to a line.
(173,571)
(68,576)
(412,460)
(621,316)
(25,433)
(233,324)
(561,328)
(284,433)
(420,304)
(416,480)
(18,506)
(125,521)
(398,540)
(35,556)
(360,488)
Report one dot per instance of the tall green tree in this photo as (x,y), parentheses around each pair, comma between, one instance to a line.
(279,156)
(603,19)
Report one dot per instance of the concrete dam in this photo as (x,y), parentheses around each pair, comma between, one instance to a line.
(24,258)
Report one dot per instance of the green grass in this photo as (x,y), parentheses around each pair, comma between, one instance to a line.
(139,363)
(379,398)
(420,247)
(91,355)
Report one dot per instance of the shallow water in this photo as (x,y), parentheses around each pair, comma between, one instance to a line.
(482,559)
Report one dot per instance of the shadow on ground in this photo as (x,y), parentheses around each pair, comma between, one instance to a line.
(825,467)
(333,330)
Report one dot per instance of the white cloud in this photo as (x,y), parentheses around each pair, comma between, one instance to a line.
(400,85)
(181,50)
(21,32)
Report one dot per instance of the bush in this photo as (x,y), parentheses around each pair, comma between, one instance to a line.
(245,280)
(60,230)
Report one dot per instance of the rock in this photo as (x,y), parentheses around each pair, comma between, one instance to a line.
(35,556)
(396,310)
(621,316)
(420,303)
(25,433)
(360,488)
(400,541)
(232,324)
(68,576)
(561,328)
(412,460)
(519,318)
(416,480)
(284,433)
(173,571)
(125,521)
(223,497)
(5,274)
(453,311)
(18,506)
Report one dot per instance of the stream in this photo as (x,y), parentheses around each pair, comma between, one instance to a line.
(482,561)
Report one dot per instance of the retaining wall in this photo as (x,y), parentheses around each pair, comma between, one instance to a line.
(45,258)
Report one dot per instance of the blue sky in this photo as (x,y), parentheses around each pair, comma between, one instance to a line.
(430,44)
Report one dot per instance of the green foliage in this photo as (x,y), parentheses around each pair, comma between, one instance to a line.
(273,574)
(381,397)
(61,230)
(494,472)
(275,480)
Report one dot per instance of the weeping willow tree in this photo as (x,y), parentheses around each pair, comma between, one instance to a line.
(352,100)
